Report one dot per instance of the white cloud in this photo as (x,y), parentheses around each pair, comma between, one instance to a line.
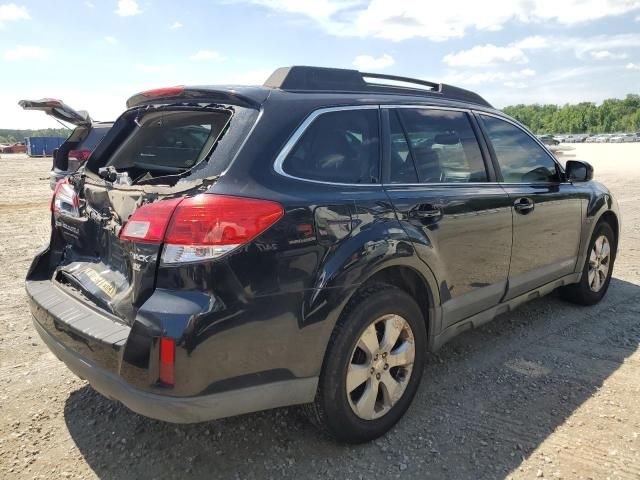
(367,62)
(175,26)
(598,46)
(607,55)
(25,51)
(206,55)
(89,4)
(10,12)
(111,40)
(404,19)
(532,43)
(485,55)
(128,8)
(318,9)
(632,66)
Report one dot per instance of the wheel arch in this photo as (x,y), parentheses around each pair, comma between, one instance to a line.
(413,282)
(611,218)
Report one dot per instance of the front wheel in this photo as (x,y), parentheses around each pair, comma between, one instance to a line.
(598,267)
(373,365)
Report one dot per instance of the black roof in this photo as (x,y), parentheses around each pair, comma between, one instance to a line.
(319,79)
(331,82)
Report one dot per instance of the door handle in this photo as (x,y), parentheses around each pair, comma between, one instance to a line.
(524,205)
(426,211)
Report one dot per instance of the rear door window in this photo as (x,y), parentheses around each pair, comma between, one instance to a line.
(338,147)
(402,167)
(520,157)
(442,144)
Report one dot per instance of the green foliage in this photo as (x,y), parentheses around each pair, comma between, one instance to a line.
(12,136)
(613,115)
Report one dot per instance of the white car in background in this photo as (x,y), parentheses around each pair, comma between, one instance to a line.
(623,138)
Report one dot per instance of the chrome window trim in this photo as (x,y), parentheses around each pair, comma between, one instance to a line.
(443,184)
(535,139)
(427,107)
(293,140)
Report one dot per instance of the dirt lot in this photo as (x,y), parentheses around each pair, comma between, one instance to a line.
(549,391)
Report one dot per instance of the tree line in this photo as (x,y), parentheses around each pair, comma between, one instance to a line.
(613,115)
(12,136)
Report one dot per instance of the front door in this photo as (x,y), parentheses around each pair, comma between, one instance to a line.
(546,210)
(459,220)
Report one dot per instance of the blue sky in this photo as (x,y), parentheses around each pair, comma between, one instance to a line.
(94,54)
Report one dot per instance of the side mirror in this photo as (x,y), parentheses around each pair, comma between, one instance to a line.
(578,171)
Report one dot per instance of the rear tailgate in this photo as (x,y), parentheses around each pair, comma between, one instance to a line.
(57,109)
(96,261)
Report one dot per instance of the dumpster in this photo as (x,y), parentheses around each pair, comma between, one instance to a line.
(42,146)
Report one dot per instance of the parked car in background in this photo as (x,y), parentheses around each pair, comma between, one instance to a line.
(82,141)
(548,140)
(624,138)
(18,147)
(227,250)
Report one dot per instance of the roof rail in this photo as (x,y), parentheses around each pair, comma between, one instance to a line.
(301,78)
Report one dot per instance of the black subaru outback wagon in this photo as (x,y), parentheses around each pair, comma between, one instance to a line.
(232,249)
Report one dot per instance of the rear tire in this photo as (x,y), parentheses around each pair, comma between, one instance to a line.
(597,269)
(373,365)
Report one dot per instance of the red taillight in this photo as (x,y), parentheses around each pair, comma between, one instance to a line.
(164,92)
(202,227)
(167,360)
(208,226)
(149,222)
(220,220)
(79,155)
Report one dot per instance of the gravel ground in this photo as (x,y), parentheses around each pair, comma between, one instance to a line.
(549,391)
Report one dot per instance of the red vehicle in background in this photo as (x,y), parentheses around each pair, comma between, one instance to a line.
(18,147)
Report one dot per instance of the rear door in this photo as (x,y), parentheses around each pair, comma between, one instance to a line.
(445,197)
(546,209)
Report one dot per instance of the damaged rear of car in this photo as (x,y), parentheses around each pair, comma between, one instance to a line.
(122,277)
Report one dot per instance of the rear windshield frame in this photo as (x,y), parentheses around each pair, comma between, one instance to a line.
(173,122)
(217,160)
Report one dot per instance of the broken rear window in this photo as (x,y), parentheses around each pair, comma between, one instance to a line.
(170,141)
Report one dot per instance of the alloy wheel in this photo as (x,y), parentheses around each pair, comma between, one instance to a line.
(380,367)
(599,263)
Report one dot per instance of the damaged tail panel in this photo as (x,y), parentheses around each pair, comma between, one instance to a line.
(154,153)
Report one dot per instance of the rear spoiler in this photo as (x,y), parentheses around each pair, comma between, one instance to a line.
(251,97)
